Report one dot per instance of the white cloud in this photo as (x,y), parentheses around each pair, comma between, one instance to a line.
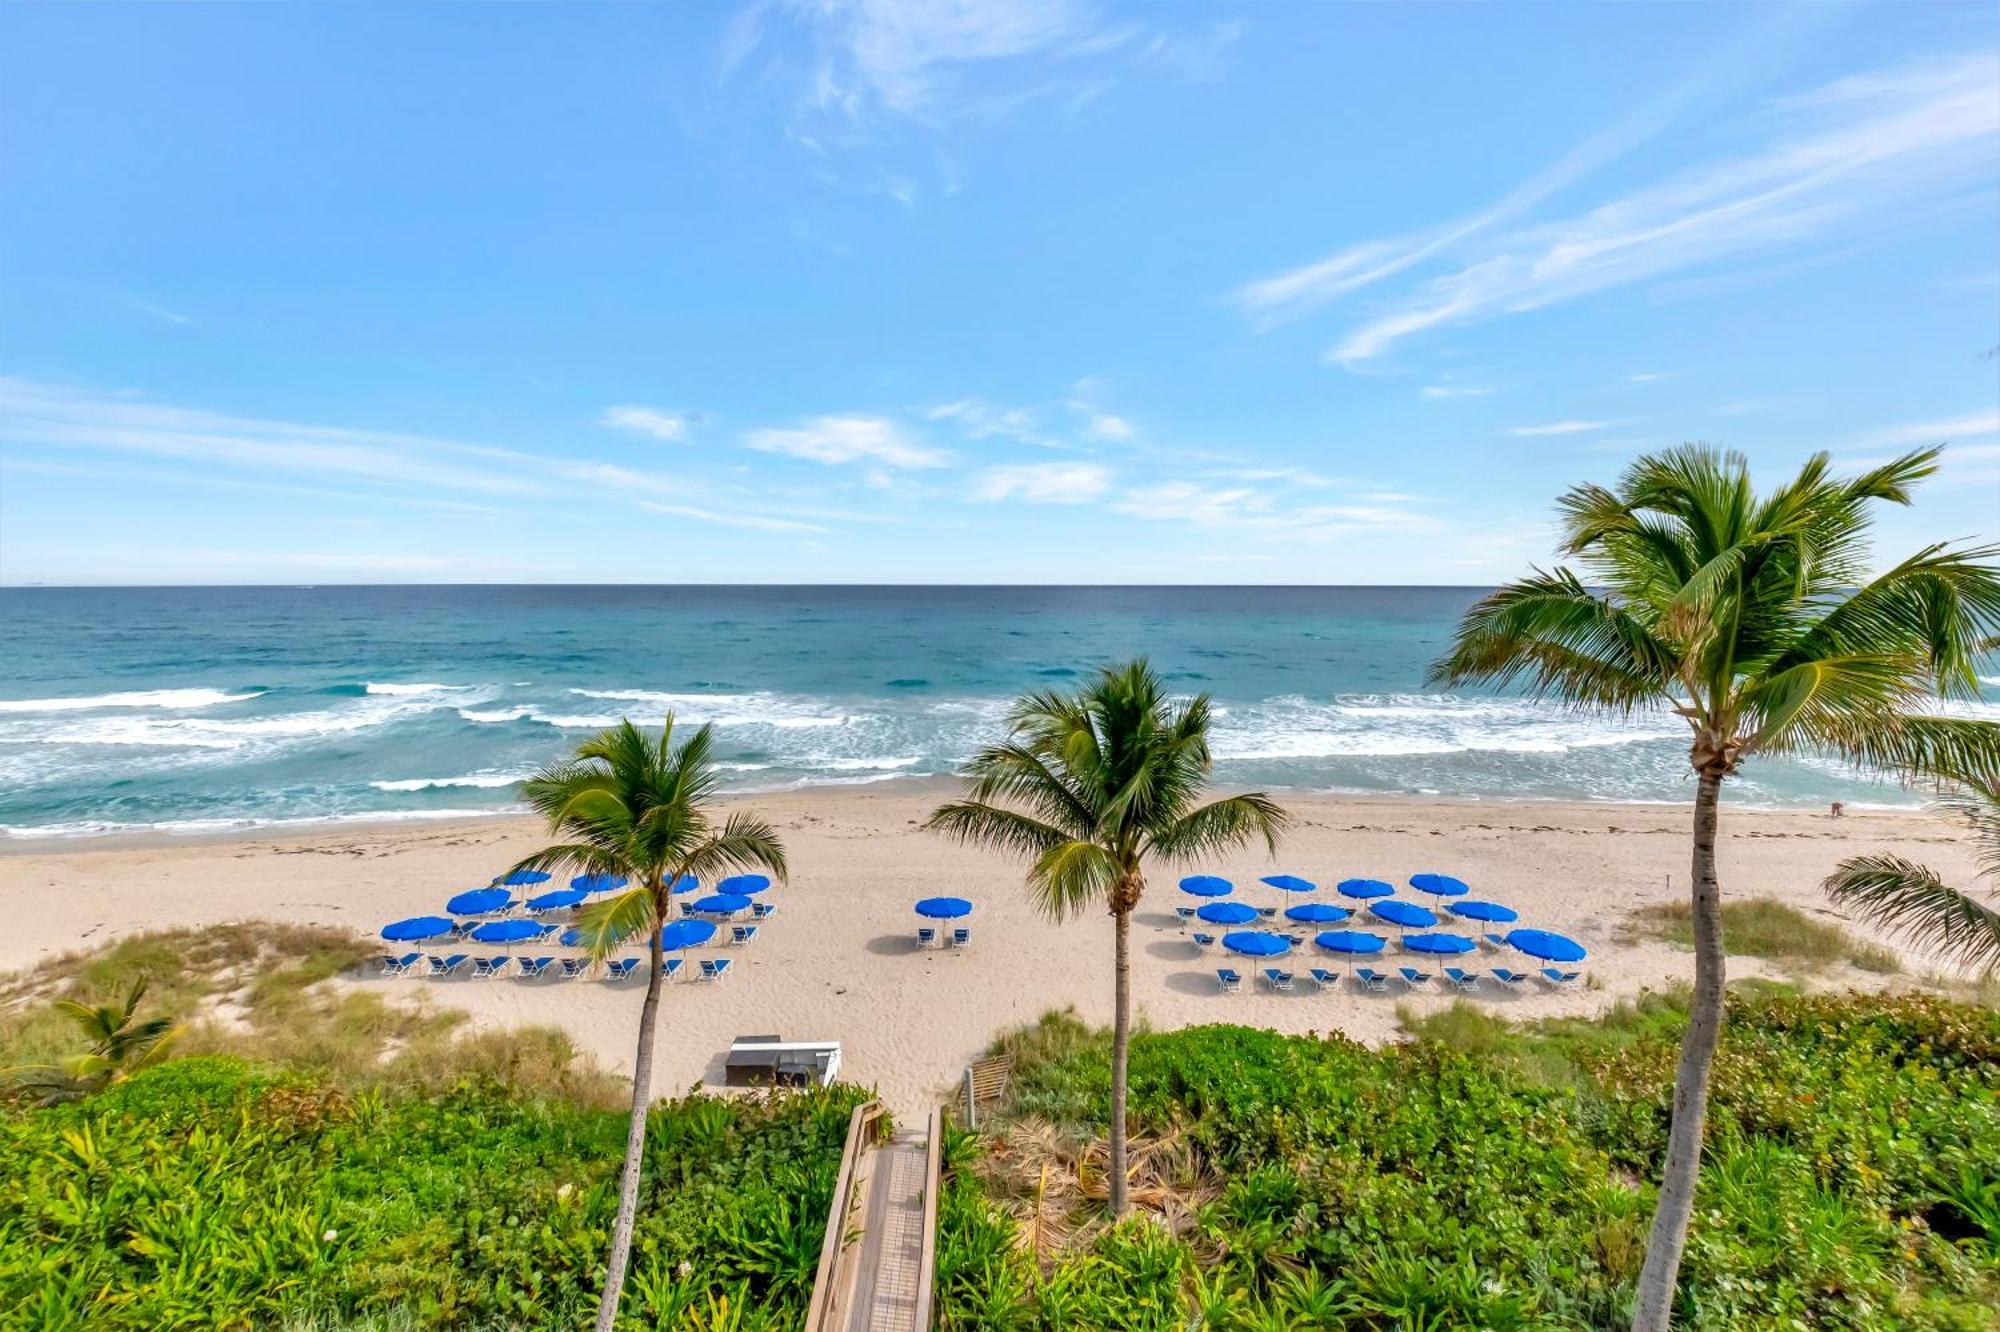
(754,521)
(1105,425)
(158,312)
(1254,511)
(980,419)
(1972,425)
(1042,483)
(1453,391)
(845,439)
(1559,428)
(646,421)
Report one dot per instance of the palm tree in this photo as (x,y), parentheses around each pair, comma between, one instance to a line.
(1090,786)
(1914,901)
(1753,618)
(119,1047)
(632,806)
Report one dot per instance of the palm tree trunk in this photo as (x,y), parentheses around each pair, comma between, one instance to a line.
(1671,1212)
(1121,1036)
(635,1147)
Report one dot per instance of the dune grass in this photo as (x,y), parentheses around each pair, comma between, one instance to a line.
(1766,928)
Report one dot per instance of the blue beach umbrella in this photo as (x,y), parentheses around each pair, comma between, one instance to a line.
(687,883)
(506,931)
(944,908)
(1290,883)
(743,883)
(523,878)
(1437,943)
(1364,888)
(686,934)
(1477,910)
(599,883)
(1228,913)
(561,897)
(418,927)
(480,901)
(1439,885)
(1207,885)
(1350,941)
(1317,913)
(1407,914)
(722,903)
(1547,945)
(1256,943)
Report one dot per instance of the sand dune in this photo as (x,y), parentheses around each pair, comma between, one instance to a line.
(839,959)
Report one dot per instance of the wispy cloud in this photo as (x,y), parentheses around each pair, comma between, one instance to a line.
(1042,483)
(846,439)
(979,419)
(1259,512)
(1453,391)
(1097,423)
(754,521)
(1946,430)
(1559,428)
(1861,151)
(156,312)
(647,421)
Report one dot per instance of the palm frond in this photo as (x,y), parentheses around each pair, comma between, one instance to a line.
(605,924)
(1223,824)
(1549,633)
(980,824)
(1070,878)
(1913,902)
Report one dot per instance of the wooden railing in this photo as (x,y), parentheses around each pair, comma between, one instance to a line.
(933,1175)
(841,1216)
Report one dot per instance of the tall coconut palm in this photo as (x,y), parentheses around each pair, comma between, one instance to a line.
(1755,619)
(641,808)
(1915,902)
(1090,786)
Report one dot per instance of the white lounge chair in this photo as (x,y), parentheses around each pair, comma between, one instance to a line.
(1461,979)
(1231,982)
(1278,980)
(714,968)
(1372,979)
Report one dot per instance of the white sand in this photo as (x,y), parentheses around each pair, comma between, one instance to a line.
(838,960)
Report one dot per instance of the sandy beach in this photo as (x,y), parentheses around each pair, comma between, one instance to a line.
(839,959)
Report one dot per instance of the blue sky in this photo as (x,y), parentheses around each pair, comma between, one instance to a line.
(1041,292)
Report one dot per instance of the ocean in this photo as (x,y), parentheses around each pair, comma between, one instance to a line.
(200,709)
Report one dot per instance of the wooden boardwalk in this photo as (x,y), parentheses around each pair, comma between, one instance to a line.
(877,1262)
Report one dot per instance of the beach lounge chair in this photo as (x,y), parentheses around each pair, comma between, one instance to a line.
(531,967)
(1372,979)
(400,966)
(1204,941)
(672,967)
(742,934)
(544,934)
(926,936)
(1413,978)
(1186,914)
(1513,980)
(687,911)
(486,967)
(1268,913)
(1462,979)
(763,910)
(622,968)
(1231,982)
(1559,978)
(1497,940)
(961,937)
(1325,979)
(572,967)
(1281,981)
(445,966)
(714,968)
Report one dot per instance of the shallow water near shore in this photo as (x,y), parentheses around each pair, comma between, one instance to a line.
(195,709)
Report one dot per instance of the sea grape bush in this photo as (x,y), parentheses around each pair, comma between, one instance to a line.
(1851,1179)
(215,1193)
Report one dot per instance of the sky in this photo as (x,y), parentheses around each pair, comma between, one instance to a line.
(1041,292)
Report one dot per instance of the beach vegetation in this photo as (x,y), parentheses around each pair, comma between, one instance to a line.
(1762,622)
(1767,928)
(1911,900)
(1090,787)
(1494,1175)
(641,808)
(119,1043)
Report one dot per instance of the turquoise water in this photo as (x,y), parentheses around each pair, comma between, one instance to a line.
(199,708)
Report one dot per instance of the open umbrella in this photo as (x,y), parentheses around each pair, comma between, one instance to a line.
(1437,943)
(523,878)
(686,934)
(1317,913)
(1256,943)
(599,883)
(722,903)
(743,883)
(1477,910)
(561,897)
(1439,885)
(1547,945)
(480,901)
(1207,885)
(687,883)
(506,931)
(1350,941)
(1290,883)
(1407,914)
(418,927)
(944,908)
(1228,913)
(1364,888)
